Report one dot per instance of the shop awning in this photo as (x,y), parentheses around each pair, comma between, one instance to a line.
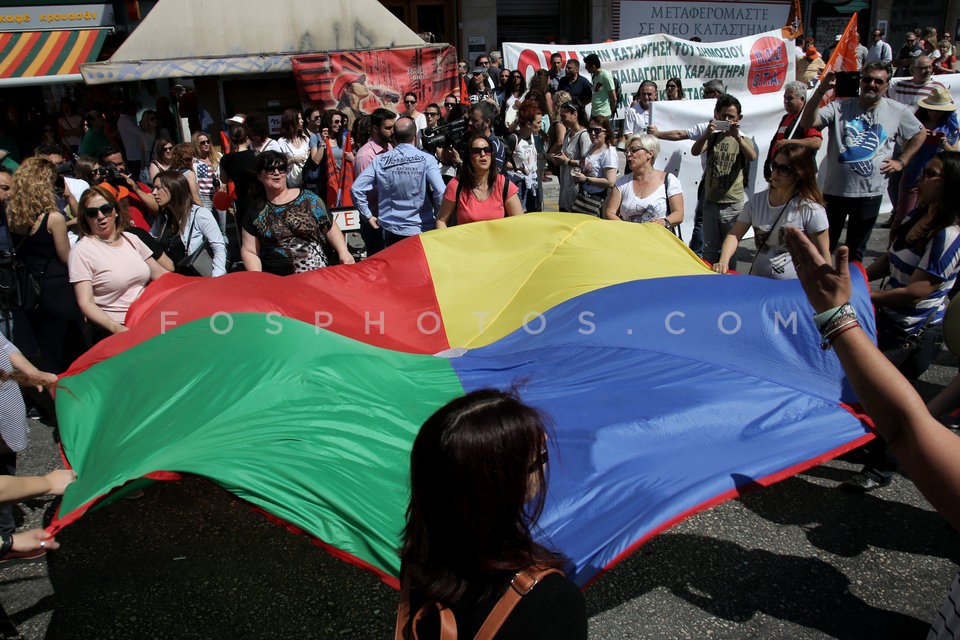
(38,57)
(245,37)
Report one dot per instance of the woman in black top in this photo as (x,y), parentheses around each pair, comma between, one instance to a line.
(39,237)
(477,487)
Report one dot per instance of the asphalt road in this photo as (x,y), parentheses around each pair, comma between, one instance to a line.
(797,560)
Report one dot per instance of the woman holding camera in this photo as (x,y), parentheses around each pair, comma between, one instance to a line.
(39,238)
(479,192)
(467,545)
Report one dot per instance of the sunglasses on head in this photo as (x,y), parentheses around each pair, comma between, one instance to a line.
(280,167)
(782,169)
(105,209)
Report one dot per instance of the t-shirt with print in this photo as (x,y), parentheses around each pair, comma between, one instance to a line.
(633,208)
(940,257)
(470,209)
(119,274)
(860,141)
(595,165)
(291,235)
(726,170)
(773,259)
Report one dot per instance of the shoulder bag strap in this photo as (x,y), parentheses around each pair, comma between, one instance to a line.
(522,584)
(193,223)
(767,237)
(448,623)
(506,187)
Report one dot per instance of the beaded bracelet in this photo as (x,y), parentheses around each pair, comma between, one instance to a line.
(6,545)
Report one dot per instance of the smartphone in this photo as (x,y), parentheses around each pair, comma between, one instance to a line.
(847,84)
(722,125)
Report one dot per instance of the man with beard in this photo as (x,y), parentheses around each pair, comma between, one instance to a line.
(860,158)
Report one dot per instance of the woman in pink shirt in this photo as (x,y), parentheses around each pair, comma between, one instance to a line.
(109,268)
(479,192)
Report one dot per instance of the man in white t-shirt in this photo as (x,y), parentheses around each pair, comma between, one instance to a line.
(636,119)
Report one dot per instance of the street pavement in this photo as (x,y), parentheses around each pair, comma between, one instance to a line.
(799,560)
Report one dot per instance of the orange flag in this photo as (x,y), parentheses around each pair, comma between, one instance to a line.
(844,56)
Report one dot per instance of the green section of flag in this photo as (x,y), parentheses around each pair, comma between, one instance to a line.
(310,426)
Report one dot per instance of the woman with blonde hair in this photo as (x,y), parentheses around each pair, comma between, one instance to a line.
(206,167)
(646,194)
(39,237)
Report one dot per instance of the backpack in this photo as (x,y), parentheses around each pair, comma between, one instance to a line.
(522,584)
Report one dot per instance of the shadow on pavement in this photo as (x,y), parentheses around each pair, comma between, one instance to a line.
(734,583)
(847,524)
(188,560)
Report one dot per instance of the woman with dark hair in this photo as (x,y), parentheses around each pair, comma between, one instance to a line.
(181,160)
(468,536)
(675,89)
(574,146)
(598,169)
(479,192)
(938,114)
(38,233)
(540,91)
(524,156)
(920,268)
(513,96)
(182,227)
(109,267)
(793,200)
(259,130)
(333,152)
(162,157)
(360,130)
(477,88)
(295,144)
(289,233)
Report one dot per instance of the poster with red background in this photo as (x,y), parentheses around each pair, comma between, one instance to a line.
(358,82)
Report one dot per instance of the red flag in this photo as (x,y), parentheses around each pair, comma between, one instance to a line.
(346,175)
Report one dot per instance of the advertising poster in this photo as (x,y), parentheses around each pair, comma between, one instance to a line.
(356,82)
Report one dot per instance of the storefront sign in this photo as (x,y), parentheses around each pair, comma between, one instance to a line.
(709,21)
(58,16)
(358,82)
(747,66)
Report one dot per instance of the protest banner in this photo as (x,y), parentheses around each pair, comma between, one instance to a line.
(356,82)
(750,66)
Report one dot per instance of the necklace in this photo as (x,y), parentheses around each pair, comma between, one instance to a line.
(110,241)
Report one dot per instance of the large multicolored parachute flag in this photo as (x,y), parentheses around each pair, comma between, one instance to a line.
(671,388)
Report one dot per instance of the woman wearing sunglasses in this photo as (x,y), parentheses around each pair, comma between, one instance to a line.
(182,227)
(646,194)
(292,230)
(468,536)
(109,268)
(675,89)
(162,157)
(206,167)
(793,200)
(598,169)
(479,192)
(39,238)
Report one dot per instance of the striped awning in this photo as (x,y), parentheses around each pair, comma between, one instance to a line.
(37,56)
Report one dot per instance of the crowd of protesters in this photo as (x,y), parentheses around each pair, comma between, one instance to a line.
(98,207)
